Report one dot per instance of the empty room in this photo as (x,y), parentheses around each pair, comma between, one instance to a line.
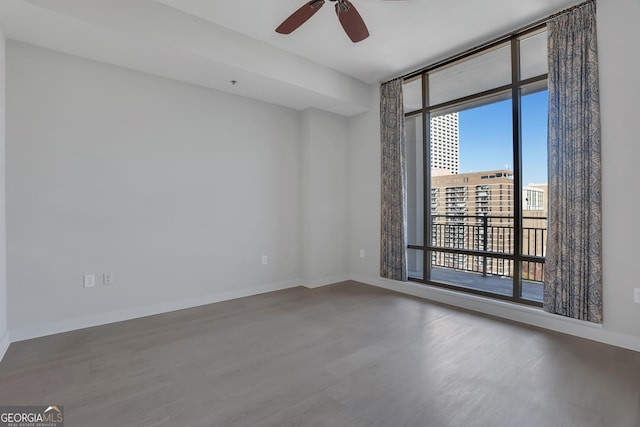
(335,213)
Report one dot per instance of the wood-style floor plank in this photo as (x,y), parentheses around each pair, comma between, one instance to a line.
(346,355)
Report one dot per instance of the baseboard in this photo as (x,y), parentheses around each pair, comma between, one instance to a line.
(316,283)
(37,331)
(519,313)
(4,344)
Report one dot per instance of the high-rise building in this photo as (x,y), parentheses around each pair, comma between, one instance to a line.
(475,211)
(534,228)
(445,142)
(486,193)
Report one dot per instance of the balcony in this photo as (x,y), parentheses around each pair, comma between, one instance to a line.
(477,253)
(500,285)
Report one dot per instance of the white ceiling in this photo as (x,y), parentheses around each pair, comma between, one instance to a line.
(210,42)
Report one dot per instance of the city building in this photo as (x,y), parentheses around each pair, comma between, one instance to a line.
(445,142)
(475,211)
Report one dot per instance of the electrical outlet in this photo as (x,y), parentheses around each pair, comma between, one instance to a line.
(361,253)
(107,279)
(89,280)
(636,295)
(264,259)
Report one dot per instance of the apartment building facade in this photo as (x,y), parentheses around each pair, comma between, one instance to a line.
(475,211)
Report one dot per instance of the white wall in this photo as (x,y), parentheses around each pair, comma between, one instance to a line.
(324,237)
(4,336)
(618,35)
(619,88)
(175,189)
(364,200)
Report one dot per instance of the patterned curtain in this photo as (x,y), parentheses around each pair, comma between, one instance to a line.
(573,271)
(393,245)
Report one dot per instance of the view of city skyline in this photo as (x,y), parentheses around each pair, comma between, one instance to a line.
(473,194)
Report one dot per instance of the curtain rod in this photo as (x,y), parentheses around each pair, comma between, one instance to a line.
(527,27)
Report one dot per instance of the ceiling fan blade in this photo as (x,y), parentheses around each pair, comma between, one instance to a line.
(351,21)
(299,17)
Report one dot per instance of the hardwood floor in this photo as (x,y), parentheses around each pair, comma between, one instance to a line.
(346,355)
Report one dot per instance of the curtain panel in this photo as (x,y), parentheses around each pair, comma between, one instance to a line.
(573,270)
(393,241)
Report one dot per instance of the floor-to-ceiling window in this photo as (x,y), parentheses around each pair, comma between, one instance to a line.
(476,130)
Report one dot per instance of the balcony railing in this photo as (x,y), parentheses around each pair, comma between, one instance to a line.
(489,234)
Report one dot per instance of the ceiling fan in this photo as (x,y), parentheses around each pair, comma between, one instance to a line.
(348,16)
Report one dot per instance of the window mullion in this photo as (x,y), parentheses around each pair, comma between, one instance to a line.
(517,168)
(426,170)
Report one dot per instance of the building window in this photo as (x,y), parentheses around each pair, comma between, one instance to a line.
(484,116)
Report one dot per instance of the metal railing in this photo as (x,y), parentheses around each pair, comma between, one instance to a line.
(488,233)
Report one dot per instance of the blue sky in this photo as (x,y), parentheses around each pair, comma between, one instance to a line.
(486,137)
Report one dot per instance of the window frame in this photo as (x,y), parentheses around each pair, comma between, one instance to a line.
(514,91)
